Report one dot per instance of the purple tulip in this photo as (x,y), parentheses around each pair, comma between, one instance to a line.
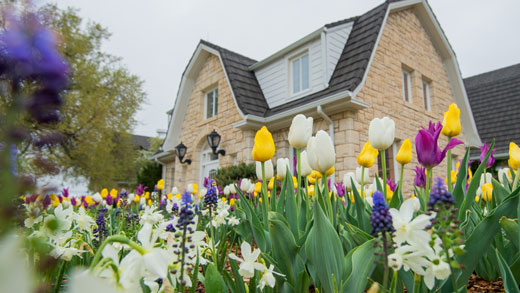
(483,151)
(65,192)
(340,188)
(428,152)
(420,177)
(391,184)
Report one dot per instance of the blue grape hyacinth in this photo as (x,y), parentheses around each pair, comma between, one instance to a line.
(440,196)
(381,220)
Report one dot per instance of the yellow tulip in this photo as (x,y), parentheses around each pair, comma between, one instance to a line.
(330,171)
(310,190)
(118,203)
(149,202)
(295,181)
(147,195)
(263,149)
(137,198)
(453,177)
(55,201)
(89,200)
(113,193)
(160,184)
(232,201)
(389,193)
(487,192)
(223,199)
(22,197)
(195,188)
(271,184)
(514,156)
(451,123)
(311,179)
(104,193)
(170,196)
(368,156)
(404,156)
(178,196)
(258,187)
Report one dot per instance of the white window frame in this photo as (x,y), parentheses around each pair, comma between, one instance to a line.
(426,94)
(215,103)
(291,75)
(407,88)
(206,158)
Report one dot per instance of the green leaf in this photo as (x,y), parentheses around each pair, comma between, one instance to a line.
(510,226)
(395,202)
(460,186)
(240,286)
(285,250)
(213,279)
(195,276)
(482,236)
(469,199)
(510,284)
(291,211)
(362,265)
(359,204)
(256,226)
(499,192)
(323,249)
(303,282)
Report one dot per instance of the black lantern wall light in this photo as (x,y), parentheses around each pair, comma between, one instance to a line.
(181,152)
(214,141)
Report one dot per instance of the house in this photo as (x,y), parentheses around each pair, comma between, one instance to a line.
(495,100)
(394,61)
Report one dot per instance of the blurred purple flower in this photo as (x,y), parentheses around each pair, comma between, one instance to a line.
(391,183)
(420,177)
(340,188)
(65,192)
(140,189)
(428,152)
(483,152)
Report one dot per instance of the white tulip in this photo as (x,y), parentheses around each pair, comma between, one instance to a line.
(366,178)
(300,131)
(226,190)
(487,179)
(97,197)
(504,172)
(269,170)
(232,189)
(304,165)
(175,190)
(245,184)
(347,180)
(320,152)
(381,133)
(282,165)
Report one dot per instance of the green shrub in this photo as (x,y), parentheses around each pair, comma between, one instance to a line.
(228,175)
(149,174)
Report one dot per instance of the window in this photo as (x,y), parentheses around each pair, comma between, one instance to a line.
(211,101)
(300,73)
(426,94)
(390,164)
(407,91)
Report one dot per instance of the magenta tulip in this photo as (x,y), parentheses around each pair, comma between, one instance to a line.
(428,152)
(483,152)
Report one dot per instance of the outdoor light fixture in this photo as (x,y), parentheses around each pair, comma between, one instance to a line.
(214,141)
(181,152)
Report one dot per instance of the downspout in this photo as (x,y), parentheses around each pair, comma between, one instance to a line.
(325,117)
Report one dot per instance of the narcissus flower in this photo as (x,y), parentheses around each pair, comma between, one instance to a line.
(404,156)
(248,264)
(368,156)
(381,133)
(514,156)
(451,123)
(300,131)
(320,152)
(428,152)
(263,149)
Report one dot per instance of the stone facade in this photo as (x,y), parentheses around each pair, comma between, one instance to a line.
(404,44)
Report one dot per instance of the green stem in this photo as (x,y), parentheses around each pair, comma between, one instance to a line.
(450,186)
(385,266)
(60,276)
(453,278)
(428,184)
(265,197)
(515,183)
(393,284)
(299,169)
(328,199)
(363,182)
(383,166)
(416,283)
(115,238)
(401,183)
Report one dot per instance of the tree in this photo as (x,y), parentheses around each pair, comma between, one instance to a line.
(100,102)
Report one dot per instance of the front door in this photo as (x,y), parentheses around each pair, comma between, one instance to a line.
(209,165)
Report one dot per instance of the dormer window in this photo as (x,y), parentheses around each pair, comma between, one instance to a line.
(300,73)
(211,101)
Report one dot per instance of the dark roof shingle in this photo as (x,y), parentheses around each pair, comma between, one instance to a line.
(495,102)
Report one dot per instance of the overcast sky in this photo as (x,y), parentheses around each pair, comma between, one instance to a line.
(156,38)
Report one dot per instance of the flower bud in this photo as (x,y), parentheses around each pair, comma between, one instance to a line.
(404,156)
(514,156)
(381,133)
(451,123)
(304,164)
(300,131)
(269,170)
(320,152)
(282,165)
(263,149)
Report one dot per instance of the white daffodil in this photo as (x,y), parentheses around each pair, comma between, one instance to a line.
(268,278)
(248,264)
(153,263)
(30,221)
(233,221)
(151,216)
(406,229)
(15,272)
(82,281)
(408,257)
(83,220)
(439,271)
(64,217)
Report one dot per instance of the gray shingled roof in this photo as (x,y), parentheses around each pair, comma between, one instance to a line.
(347,75)
(495,102)
(140,142)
